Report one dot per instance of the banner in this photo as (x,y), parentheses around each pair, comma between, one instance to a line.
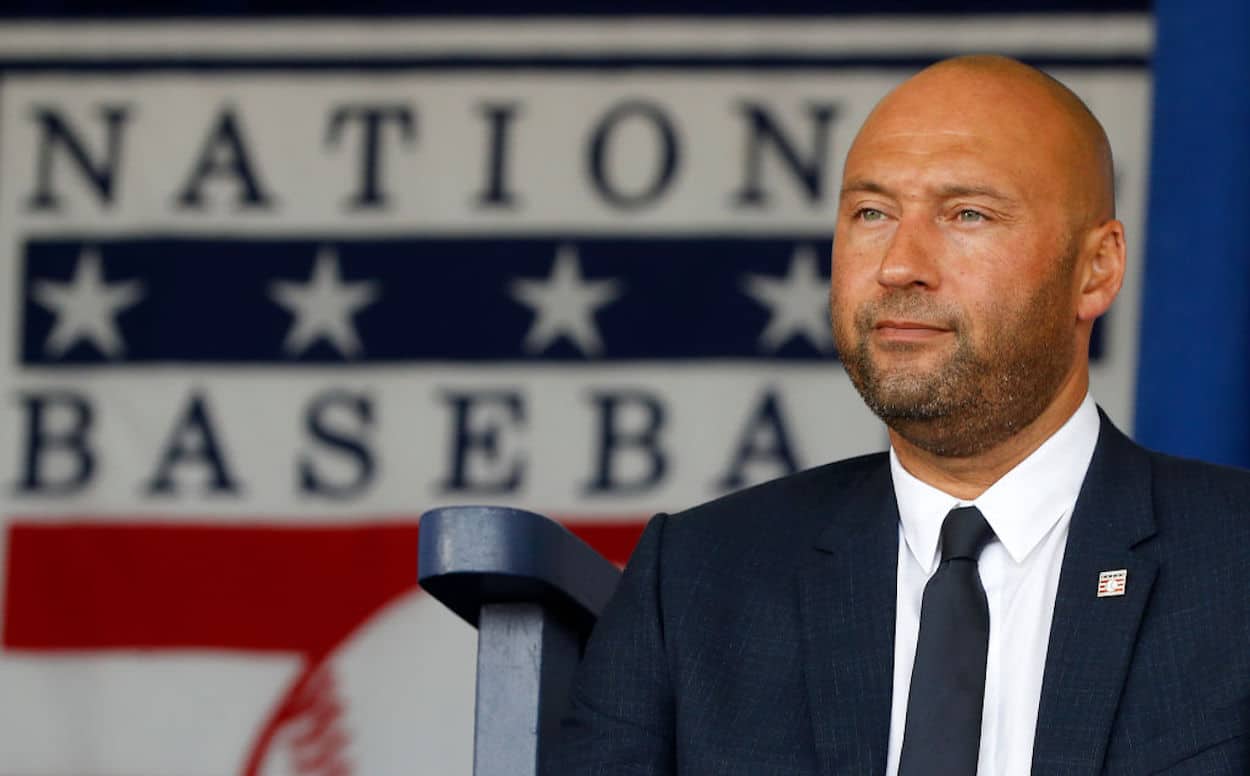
(273,289)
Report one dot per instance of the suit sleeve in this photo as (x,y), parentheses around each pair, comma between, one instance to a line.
(620,718)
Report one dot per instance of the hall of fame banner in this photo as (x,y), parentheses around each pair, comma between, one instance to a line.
(273,289)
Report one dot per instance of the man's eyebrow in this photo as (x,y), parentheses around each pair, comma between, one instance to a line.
(958,190)
(864,186)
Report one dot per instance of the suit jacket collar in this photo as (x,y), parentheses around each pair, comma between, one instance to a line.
(1092,638)
(847,591)
(846,601)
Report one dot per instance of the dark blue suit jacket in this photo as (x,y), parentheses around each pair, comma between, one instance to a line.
(754,635)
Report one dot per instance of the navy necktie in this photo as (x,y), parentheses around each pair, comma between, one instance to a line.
(942,735)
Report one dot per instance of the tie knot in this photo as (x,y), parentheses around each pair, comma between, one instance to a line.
(964,534)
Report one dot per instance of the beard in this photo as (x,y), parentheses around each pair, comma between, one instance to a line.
(979,394)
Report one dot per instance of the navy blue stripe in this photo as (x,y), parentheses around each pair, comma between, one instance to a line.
(601,62)
(207,301)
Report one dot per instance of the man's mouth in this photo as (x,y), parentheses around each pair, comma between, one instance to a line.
(908,331)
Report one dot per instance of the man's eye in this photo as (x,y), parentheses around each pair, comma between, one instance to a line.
(869,214)
(971,216)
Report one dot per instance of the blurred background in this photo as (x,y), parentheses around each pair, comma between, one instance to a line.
(277,277)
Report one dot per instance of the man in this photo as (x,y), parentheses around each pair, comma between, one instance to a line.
(1015,587)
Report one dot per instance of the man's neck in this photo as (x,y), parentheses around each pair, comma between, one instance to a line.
(970,476)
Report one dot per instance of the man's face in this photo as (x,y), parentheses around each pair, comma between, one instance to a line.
(953,294)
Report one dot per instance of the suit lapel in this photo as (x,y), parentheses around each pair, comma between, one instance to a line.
(847,599)
(1092,638)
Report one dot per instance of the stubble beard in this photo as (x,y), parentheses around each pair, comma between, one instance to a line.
(976,397)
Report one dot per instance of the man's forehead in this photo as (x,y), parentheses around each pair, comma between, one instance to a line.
(952,186)
(942,156)
(979,141)
(965,155)
(954,123)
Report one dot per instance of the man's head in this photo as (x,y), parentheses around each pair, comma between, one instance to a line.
(975,246)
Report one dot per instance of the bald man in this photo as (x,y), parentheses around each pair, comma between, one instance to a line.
(1015,587)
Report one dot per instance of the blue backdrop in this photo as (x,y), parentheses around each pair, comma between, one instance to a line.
(1194,374)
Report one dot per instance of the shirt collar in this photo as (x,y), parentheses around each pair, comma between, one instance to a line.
(1022,506)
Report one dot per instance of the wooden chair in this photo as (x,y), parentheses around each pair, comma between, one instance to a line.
(533,590)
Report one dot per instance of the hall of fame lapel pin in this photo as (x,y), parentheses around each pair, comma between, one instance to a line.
(1111,583)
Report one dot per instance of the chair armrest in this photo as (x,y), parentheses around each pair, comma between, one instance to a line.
(469,556)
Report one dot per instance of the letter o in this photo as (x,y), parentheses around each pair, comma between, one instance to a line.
(665,170)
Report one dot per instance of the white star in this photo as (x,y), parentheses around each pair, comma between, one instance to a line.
(323,307)
(86,307)
(798,303)
(564,305)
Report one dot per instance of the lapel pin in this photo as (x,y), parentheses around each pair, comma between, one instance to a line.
(1111,583)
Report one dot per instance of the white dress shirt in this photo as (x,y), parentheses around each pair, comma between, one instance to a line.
(1029,509)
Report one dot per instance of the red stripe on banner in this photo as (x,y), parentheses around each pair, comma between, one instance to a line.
(89,584)
(94,586)
(614,539)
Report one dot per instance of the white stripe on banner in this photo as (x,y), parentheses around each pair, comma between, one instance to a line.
(1018,34)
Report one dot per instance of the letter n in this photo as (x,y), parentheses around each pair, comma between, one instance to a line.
(809,169)
(98,171)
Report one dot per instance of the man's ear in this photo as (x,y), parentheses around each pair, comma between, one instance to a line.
(1101,270)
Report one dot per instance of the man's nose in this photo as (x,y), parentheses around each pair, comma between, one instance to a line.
(909,258)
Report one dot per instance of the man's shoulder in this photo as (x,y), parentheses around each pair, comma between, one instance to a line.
(1174,471)
(804,502)
(1184,494)
(1200,511)
(1199,489)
